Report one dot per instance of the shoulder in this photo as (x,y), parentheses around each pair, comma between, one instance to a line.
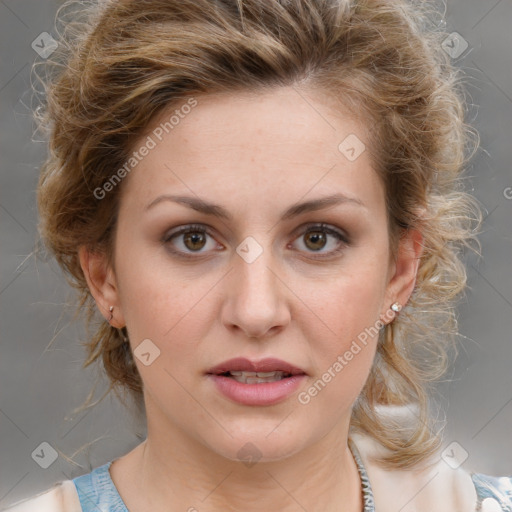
(432,485)
(93,491)
(62,497)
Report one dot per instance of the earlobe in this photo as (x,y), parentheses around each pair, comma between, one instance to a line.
(102,285)
(403,279)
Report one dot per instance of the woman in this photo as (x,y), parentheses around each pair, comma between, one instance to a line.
(262,200)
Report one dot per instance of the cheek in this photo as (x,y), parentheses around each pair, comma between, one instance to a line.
(345,328)
(153,297)
(350,299)
(343,354)
(157,306)
(166,304)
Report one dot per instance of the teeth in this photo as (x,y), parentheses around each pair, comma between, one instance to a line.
(267,374)
(256,377)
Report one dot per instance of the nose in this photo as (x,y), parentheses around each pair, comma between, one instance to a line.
(257,298)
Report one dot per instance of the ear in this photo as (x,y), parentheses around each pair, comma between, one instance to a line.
(402,272)
(101,280)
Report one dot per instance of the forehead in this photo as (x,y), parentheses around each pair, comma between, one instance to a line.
(284,141)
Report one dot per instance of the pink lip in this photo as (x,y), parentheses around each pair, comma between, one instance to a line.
(264,365)
(268,393)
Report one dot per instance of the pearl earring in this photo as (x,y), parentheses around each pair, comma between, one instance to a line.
(396,307)
(111,308)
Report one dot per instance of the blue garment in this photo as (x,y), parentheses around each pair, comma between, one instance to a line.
(500,489)
(97,492)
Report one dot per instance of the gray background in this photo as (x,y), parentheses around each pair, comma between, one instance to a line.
(41,384)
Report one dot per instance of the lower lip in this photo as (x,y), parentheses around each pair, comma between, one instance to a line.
(268,393)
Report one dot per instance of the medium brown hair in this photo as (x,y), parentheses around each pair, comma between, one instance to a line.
(121,63)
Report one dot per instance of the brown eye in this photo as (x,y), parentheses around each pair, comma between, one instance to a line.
(320,236)
(188,240)
(194,240)
(315,240)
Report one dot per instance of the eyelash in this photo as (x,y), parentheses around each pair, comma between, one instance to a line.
(193,228)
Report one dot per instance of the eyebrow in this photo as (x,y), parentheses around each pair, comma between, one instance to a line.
(294,210)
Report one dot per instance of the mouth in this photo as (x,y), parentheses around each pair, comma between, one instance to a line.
(264,382)
(256,372)
(256,377)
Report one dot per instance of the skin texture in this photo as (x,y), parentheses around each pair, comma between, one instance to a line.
(256,155)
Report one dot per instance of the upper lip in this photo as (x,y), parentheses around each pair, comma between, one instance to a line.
(263,365)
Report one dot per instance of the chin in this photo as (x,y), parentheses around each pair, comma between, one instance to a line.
(263,444)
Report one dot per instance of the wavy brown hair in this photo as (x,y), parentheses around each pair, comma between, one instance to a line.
(121,63)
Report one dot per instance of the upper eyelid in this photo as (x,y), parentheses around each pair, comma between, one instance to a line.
(300,230)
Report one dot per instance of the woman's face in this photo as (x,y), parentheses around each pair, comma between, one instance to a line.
(248,281)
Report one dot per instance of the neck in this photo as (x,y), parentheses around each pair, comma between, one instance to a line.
(172,468)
